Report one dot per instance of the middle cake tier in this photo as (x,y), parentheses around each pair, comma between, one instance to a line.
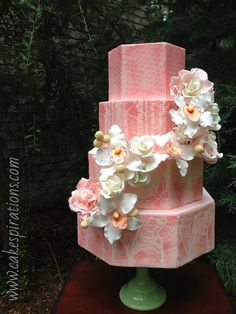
(167,188)
(138,117)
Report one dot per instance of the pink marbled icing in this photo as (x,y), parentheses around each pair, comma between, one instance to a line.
(143,71)
(167,189)
(168,239)
(136,118)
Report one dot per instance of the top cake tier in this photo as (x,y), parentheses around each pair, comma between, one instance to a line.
(143,71)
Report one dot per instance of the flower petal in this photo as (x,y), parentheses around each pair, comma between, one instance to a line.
(202,101)
(98,220)
(112,233)
(153,162)
(102,157)
(126,202)
(107,172)
(206,119)
(116,142)
(187,152)
(115,130)
(139,178)
(179,100)
(161,140)
(183,166)
(176,116)
(133,163)
(134,223)
(105,205)
(71,205)
(201,74)
(173,139)
(191,129)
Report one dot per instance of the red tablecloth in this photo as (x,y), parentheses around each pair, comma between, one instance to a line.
(93,288)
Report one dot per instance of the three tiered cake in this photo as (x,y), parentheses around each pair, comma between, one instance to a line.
(144,204)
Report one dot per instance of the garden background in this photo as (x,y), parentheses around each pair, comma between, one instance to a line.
(53,73)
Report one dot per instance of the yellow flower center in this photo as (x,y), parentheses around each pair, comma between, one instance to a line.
(117,151)
(142,147)
(190,109)
(116,215)
(118,154)
(192,113)
(173,150)
(119,220)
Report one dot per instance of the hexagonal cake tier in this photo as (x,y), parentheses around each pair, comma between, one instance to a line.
(143,71)
(167,239)
(136,118)
(167,188)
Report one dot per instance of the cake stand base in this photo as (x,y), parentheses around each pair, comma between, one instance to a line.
(142,293)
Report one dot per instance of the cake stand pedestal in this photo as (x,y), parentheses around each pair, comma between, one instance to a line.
(142,292)
(93,287)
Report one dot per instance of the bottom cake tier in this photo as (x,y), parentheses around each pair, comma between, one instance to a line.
(167,239)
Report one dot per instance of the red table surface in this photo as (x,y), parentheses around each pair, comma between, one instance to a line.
(93,288)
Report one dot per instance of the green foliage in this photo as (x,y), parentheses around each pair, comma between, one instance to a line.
(31,138)
(3,284)
(223,258)
(25,273)
(228,196)
(34,16)
(22,283)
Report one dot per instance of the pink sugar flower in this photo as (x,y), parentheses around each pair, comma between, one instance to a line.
(191,83)
(84,199)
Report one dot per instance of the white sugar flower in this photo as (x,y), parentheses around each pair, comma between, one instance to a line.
(181,137)
(116,152)
(143,147)
(192,83)
(194,115)
(208,148)
(117,137)
(112,185)
(214,109)
(120,170)
(194,96)
(115,215)
(181,153)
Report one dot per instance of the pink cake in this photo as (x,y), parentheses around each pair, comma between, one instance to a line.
(144,204)
(139,102)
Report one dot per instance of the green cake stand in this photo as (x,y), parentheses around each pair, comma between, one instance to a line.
(142,293)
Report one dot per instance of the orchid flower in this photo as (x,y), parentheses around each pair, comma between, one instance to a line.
(116,153)
(181,153)
(116,215)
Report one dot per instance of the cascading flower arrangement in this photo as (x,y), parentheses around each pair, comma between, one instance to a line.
(105,203)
